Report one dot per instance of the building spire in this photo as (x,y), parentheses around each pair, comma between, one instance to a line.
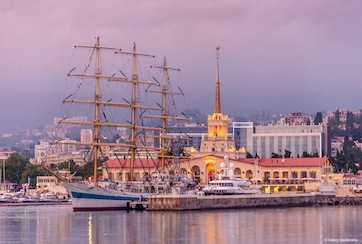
(217,108)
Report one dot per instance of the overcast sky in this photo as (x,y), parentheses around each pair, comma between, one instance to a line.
(276,55)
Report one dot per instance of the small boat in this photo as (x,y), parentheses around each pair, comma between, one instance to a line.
(48,197)
(227,184)
(5,198)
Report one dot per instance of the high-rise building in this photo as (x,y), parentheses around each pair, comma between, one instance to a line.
(296,118)
(297,139)
(86,136)
(242,132)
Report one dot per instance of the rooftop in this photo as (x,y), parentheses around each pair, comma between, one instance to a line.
(289,162)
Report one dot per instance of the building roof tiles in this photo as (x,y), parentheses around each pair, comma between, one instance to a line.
(288,162)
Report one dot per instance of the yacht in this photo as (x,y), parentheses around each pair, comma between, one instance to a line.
(228,184)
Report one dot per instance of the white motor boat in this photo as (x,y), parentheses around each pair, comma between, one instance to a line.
(227,184)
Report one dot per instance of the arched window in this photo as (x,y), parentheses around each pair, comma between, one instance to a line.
(249,174)
(195,173)
(237,171)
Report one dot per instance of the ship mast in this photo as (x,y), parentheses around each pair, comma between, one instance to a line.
(96,120)
(133,112)
(164,111)
(97,102)
(165,91)
(134,105)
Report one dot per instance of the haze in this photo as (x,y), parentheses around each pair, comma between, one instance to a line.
(278,56)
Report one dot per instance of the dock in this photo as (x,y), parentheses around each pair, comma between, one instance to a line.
(197,202)
(138,205)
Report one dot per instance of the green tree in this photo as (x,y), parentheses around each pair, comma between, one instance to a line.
(358,119)
(305,155)
(338,162)
(32,171)
(349,121)
(309,155)
(337,115)
(348,148)
(356,135)
(334,122)
(248,155)
(347,160)
(287,154)
(346,138)
(70,165)
(318,118)
(87,170)
(275,155)
(14,167)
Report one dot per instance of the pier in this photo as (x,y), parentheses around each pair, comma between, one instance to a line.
(137,205)
(196,202)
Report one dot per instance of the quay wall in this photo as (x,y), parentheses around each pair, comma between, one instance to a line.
(194,202)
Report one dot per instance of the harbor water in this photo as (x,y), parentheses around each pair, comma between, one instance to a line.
(59,224)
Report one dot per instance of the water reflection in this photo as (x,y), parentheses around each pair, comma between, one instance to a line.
(59,224)
(90,229)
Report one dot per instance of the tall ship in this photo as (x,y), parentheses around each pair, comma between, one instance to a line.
(91,196)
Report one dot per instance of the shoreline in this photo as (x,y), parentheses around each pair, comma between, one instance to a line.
(214,202)
(19,204)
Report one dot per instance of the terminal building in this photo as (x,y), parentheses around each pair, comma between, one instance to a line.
(211,143)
